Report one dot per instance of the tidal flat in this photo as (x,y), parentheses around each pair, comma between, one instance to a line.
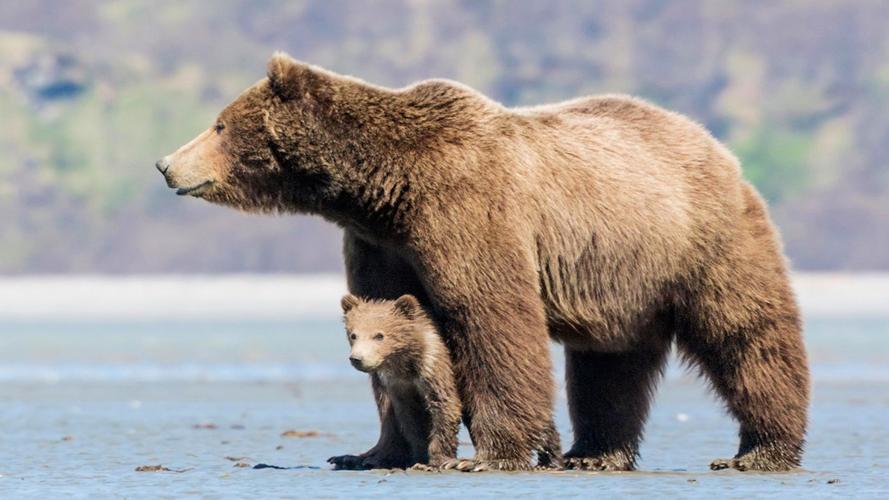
(196,403)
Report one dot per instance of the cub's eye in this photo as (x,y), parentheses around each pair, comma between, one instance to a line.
(378,336)
(353,336)
(219,127)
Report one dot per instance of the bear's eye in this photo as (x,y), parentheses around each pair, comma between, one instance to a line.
(353,336)
(219,127)
(378,337)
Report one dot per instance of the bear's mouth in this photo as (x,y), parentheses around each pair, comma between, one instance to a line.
(195,190)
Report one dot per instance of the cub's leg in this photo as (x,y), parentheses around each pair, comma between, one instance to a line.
(609,395)
(392,449)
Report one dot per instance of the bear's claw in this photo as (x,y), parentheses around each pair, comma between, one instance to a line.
(769,457)
(722,464)
(759,459)
(424,468)
(475,465)
(604,463)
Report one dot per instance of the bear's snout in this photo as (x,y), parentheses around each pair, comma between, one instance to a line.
(365,362)
(194,168)
(162,165)
(357,362)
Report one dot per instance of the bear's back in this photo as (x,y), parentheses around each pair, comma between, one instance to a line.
(645,187)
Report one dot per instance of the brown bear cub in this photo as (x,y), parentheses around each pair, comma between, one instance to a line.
(397,343)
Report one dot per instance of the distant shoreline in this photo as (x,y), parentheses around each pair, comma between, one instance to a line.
(254,296)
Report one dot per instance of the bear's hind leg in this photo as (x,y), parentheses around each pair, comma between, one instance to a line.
(609,395)
(742,328)
(759,369)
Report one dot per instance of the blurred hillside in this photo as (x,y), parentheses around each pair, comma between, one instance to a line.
(92,93)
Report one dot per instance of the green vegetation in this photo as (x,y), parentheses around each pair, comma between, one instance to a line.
(776,161)
(93,92)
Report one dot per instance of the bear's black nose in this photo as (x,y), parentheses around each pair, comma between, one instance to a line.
(162,165)
(356,362)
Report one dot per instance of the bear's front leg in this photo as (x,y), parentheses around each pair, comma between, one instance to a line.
(443,404)
(493,319)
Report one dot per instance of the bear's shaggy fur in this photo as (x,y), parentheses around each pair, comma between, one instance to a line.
(606,223)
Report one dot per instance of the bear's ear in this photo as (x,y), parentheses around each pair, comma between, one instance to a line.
(289,78)
(408,305)
(348,302)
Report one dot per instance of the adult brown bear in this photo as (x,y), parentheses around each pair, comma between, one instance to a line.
(605,223)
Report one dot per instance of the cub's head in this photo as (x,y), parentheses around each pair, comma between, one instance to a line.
(269,150)
(383,334)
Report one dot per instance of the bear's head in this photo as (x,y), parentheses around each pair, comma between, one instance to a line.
(384,335)
(270,149)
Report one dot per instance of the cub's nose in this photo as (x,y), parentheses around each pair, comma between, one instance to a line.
(356,361)
(162,165)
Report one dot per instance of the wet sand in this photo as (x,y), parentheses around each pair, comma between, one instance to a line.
(90,437)
(85,402)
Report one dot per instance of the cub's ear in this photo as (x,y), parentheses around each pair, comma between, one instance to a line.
(348,302)
(408,305)
(289,78)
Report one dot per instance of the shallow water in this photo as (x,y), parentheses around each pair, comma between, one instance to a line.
(85,403)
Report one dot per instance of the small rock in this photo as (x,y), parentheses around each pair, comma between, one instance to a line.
(833,481)
(267,466)
(241,465)
(278,467)
(279,447)
(152,468)
(68,438)
(160,468)
(300,434)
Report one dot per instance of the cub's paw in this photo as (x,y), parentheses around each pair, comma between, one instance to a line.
(347,462)
(385,462)
(475,465)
